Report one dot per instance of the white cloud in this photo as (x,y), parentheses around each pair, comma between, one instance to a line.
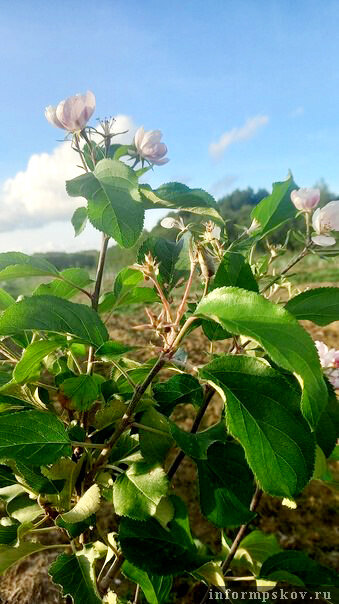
(236,135)
(37,196)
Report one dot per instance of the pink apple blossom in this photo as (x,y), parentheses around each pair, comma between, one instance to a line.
(329,359)
(305,200)
(149,147)
(73,113)
(324,221)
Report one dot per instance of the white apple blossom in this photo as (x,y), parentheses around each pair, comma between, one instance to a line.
(73,113)
(305,200)
(149,147)
(329,359)
(170,223)
(324,221)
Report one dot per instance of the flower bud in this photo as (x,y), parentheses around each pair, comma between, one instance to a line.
(149,147)
(73,113)
(324,221)
(305,200)
(170,223)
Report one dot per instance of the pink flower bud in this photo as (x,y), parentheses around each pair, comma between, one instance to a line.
(73,113)
(305,200)
(324,221)
(149,147)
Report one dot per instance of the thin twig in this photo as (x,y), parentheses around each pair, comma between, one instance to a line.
(126,420)
(182,306)
(96,293)
(111,573)
(209,392)
(136,595)
(290,265)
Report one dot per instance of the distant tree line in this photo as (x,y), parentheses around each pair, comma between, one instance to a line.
(235,208)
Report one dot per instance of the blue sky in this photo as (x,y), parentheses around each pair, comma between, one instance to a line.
(263,73)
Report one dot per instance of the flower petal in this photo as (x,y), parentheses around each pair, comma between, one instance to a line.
(323,240)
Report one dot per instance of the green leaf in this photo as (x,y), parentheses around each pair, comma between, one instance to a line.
(112,350)
(126,291)
(94,151)
(114,202)
(278,332)
(196,445)
(75,575)
(79,220)
(225,485)
(262,408)
(63,470)
(154,447)
(234,270)
(138,491)
(10,555)
(319,305)
(181,389)
(157,550)
(255,548)
(166,253)
(24,509)
(300,566)
(156,588)
(75,278)
(12,403)
(8,534)
(213,331)
(87,505)
(53,314)
(82,390)
(176,196)
(274,210)
(74,529)
(33,437)
(16,264)
(32,476)
(33,355)
(6,299)
(7,478)
(328,426)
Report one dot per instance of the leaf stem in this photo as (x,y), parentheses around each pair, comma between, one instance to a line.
(88,444)
(290,265)
(149,429)
(238,538)
(80,289)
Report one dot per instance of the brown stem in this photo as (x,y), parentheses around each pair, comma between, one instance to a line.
(78,148)
(111,573)
(239,537)
(209,392)
(96,292)
(182,306)
(162,298)
(126,420)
